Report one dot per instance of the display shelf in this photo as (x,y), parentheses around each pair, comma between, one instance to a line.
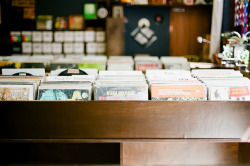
(170,132)
(123,119)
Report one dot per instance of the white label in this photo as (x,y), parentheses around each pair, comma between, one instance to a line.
(100,36)
(79,36)
(27,47)
(89,36)
(36,36)
(91,48)
(57,48)
(69,36)
(47,47)
(58,36)
(101,48)
(68,47)
(78,48)
(37,47)
(47,36)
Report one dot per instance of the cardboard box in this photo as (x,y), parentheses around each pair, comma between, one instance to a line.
(37,48)
(79,36)
(59,36)
(47,48)
(57,48)
(37,36)
(27,48)
(47,36)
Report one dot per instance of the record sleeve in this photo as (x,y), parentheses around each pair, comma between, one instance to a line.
(16,92)
(121,92)
(178,92)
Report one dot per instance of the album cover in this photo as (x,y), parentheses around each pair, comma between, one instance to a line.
(64,94)
(229,93)
(121,92)
(178,92)
(16,92)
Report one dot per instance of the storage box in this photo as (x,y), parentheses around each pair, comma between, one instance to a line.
(47,36)
(78,48)
(37,36)
(37,48)
(59,36)
(79,36)
(26,48)
(68,48)
(47,48)
(68,36)
(57,48)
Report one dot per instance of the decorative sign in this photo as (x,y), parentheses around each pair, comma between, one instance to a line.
(143,34)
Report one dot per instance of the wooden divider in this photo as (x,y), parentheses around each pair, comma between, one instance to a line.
(149,132)
(119,120)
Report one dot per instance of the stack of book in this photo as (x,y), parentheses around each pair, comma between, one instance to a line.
(121,85)
(174,85)
(122,63)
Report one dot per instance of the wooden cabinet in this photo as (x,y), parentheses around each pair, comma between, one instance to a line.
(124,132)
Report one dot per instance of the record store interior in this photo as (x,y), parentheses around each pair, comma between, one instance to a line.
(125,82)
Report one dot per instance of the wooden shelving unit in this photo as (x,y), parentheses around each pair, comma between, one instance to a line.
(124,132)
